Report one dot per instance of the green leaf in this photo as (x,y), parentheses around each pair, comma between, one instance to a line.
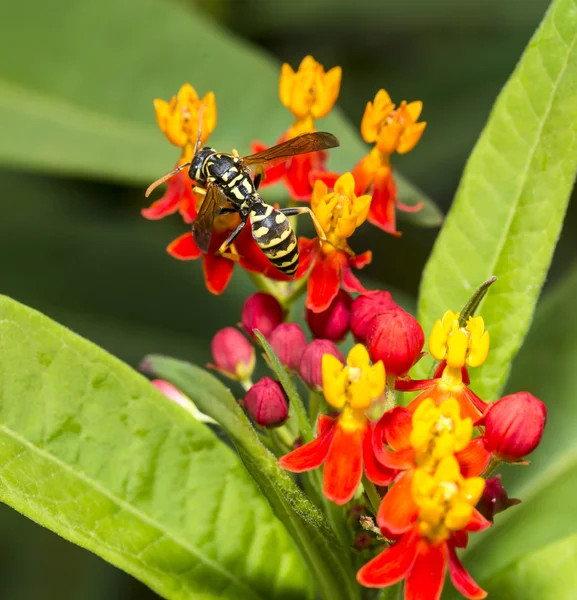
(329,563)
(82,104)
(94,452)
(547,487)
(509,208)
(548,574)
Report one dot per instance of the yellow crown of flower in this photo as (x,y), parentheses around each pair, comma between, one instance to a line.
(354,385)
(459,345)
(393,129)
(439,431)
(341,211)
(445,499)
(178,119)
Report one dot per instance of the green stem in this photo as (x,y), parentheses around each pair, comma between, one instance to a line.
(372,494)
(391,397)
(491,467)
(473,303)
(316,402)
(264,284)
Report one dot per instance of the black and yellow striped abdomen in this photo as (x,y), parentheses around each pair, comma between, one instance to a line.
(272,232)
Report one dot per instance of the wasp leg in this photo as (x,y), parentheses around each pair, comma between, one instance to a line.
(235,153)
(301,210)
(257,179)
(222,251)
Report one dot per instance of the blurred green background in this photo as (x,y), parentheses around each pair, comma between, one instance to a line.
(74,246)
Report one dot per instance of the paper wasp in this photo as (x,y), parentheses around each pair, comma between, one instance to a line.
(226,183)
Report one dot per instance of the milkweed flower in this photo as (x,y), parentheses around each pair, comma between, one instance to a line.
(457,347)
(392,129)
(263,312)
(443,504)
(311,363)
(233,354)
(332,323)
(309,93)
(408,441)
(267,403)
(344,444)
(339,213)
(178,120)
(365,308)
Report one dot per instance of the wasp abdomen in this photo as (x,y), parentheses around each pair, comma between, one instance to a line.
(273,233)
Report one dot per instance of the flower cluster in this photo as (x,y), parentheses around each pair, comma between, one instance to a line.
(427,465)
(427,453)
(340,202)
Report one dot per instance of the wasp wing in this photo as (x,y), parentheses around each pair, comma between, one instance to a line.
(302,144)
(213,201)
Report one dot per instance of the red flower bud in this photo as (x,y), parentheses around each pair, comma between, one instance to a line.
(365,308)
(310,368)
(288,342)
(332,323)
(263,312)
(514,426)
(233,354)
(494,499)
(396,338)
(267,403)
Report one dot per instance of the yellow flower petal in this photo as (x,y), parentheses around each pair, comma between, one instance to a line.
(358,357)
(410,137)
(457,346)
(327,93)
(389,136)
(459,516)
(345,185)
(286,84)
(334,381)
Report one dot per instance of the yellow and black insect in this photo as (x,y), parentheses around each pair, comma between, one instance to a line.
(225,181)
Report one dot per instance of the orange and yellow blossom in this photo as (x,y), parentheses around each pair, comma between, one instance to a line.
(339,214)
(309,93)
(391,129)
(344,444)
(457,348)
(444,512)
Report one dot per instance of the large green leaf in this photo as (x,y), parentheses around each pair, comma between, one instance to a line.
(330,563)
(511,201)
(83,103)
(91,450)
(547,487)
(548,574)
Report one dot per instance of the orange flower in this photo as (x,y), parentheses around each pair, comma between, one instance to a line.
(392,129)
(443,513)
(309,93)
(344,444)
(339,213)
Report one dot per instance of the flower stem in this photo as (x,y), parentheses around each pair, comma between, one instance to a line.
(391,398)
(491,467)
(263,284)
(372,494)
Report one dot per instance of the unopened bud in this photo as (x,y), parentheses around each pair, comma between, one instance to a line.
(365,308)
(263,312)
(310,368)
(396,338)
(332,323)
(494,499)
(267,403)
(514,426)
(288,342)
(233,354)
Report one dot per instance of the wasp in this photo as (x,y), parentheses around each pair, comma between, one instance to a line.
(226,183)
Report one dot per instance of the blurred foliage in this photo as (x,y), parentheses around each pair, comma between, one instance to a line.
(80,251)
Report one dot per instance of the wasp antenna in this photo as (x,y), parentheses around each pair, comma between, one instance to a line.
(164,178)
(200,115)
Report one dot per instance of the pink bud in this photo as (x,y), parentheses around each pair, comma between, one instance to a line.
(494,499)
(365,308)
(310,368)
(288,342)
(396,338)
(263,312)
(233,354)
(332,323)
(514,426)
(267,403)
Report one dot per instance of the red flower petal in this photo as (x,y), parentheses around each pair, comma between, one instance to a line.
(297,172)
(274,173)
(392,565)
(427,575)
(363,173)
(311,455)
(350,282)
(479,404)
(474,458)
(167,205)
(361,260)
(375,471)
(324,282)
(461,579)
(460,538)
(184,248)
(344,465)
(382,211)
(323,424)
(217,273)
(327,177)
(308,253)
(395,427)
(478,522)
(398,510)
(414,385)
